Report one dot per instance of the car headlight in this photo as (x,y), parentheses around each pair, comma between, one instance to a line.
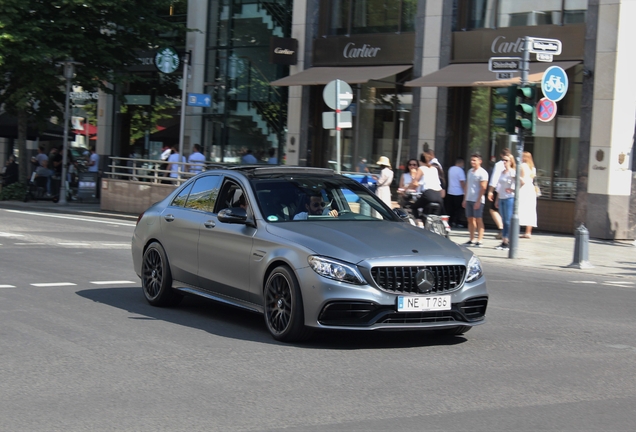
(474,269)
(336,270)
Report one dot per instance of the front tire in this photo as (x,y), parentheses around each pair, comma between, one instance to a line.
(284,314)
(156,278)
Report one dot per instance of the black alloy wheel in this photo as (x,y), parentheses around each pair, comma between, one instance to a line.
(284,314)
(156,279)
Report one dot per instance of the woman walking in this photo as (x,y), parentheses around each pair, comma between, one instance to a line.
(505,199)
(527,195)
(384,181)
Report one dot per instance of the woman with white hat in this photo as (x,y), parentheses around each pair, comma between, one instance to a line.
(384,181)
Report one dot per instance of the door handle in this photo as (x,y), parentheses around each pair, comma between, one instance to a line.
(169,218)
(209,224)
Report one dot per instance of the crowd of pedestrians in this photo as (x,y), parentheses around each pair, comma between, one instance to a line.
(466,194)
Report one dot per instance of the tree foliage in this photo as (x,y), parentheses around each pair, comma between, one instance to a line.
(103,35)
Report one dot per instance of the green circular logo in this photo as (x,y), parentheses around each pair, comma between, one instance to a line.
(167,60)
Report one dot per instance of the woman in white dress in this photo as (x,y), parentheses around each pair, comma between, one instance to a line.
(527,195)
(384,181)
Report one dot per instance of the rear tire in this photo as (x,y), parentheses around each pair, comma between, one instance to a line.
(156,278)
(284,313)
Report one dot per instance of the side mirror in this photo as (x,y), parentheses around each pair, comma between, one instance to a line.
(233,215)
(401,213)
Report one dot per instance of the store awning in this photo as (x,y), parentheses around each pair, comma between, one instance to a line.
(478,75)
(348,74)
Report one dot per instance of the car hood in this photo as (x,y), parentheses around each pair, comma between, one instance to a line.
(359,241)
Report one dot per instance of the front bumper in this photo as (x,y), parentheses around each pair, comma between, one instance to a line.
(329,304)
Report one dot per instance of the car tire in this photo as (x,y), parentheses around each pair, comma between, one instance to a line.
(284,314)
(156,278)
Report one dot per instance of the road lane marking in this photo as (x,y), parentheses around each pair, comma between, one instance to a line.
(5,234)
(54,284)
(583,282)
(28,244)
(115,244)
(7,286)
(112,282)
(109,222)
(74,244)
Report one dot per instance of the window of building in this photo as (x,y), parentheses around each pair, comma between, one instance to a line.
(347,17)
(477,14)
(381,121)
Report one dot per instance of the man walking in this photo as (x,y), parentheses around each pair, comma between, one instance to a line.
(196,160)
(476,185)
(455,196)
(492,193)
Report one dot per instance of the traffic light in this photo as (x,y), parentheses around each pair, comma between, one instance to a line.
(525,109)
(504,114)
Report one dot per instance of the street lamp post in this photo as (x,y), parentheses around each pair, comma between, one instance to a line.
(69,72)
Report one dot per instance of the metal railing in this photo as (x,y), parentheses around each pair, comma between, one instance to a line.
(150,170)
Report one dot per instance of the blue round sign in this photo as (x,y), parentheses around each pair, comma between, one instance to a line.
(554,83)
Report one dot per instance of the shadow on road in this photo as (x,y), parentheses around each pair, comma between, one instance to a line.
(230,322)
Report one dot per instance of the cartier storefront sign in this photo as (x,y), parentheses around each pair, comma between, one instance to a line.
(364,50)
(283,51)
(477,46)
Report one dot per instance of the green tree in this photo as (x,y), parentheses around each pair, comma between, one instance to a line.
(103,35)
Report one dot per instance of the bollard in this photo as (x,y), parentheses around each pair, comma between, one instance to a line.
(581,248)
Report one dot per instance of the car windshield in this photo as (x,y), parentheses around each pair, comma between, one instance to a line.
(298,198)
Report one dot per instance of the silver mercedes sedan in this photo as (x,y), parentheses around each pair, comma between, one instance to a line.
(307,248)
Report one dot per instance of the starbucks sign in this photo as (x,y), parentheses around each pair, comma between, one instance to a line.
(167,60)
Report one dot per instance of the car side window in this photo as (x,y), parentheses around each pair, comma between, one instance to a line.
(204,193)
(182,197)
(232,195)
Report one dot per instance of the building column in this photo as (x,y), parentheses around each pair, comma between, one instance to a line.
(105,124)
(195,43)
(295,98)
(609,180)
(427,121)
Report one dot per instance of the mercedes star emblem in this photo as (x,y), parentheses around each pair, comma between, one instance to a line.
(425,280)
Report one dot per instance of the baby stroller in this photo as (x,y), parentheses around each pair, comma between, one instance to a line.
(36,189)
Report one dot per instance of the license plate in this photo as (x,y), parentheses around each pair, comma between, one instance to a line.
(423,303)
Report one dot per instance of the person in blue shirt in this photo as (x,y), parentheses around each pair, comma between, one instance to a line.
(248,158)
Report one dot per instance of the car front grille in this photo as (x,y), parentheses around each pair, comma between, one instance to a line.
(402,280)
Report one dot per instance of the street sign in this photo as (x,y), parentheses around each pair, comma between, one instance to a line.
(546,110)
(329,120)
(199,100)
(344,97)
(504,64)
(542,57)
(545,46)
(554,83)
(505,75)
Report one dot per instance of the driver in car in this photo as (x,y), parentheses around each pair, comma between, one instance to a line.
(316,207)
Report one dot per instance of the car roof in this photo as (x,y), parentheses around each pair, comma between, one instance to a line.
(259,171)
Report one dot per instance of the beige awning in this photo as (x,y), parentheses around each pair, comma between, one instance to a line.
(478,75)
(348,74)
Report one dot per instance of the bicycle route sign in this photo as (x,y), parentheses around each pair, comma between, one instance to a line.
(554,83)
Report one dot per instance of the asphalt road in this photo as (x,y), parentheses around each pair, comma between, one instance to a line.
(80,349)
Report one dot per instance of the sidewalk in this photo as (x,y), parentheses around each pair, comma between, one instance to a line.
(544,250)
(556,252)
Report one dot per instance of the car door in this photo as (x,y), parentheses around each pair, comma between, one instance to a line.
(181,223)
(224,249)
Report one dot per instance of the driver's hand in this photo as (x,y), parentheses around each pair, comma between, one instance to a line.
(333,213)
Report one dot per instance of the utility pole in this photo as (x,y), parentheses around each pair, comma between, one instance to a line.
(514,221)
